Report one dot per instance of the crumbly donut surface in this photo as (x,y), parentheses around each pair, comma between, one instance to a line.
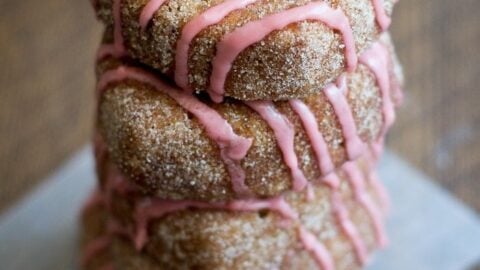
(294,62)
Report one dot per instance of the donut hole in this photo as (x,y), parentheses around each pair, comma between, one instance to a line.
(263,213)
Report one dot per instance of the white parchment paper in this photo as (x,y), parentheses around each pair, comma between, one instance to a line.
(429,229)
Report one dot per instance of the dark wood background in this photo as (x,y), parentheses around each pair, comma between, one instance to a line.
(46,90)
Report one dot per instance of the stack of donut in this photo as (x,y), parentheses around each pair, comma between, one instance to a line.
(240,134)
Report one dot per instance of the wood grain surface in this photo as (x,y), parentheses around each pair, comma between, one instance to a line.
(46,96)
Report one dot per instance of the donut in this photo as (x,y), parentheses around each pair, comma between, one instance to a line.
(245,49)
(179,146)
(336,224)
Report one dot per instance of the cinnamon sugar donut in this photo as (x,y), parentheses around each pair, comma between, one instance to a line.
(178,146)
(246,49)
(337,224)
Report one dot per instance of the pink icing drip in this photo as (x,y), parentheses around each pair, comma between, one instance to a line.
(383,19)
(108,50)
(376,58)
(117,183)
(380,191)
(314,135)
(285,135)
(331,180)
(235,42)
(310,195)
(156,208)
(148,11)
(118,44)
(336,97)
(233,147)
(210,17)
(341,213)
(395,84)
(317,249)
(94,247)
(117,48)
(357,181)
(377,148)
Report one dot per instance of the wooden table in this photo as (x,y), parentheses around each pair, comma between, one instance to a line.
(46,98)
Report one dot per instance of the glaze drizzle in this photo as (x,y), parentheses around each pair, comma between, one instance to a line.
(210,17)
(285,134)
(319,145)
(357,181)
(117,48)
(153,209)
(377,59)
(233,147)
(336,95)
(235,42)
(383,19)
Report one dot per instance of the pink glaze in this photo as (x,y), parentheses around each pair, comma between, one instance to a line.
(148,11)
(118,44)
(310,195)
(285,135)
(96,246)
(108,50)
(115,183)
(157,208)
(397,89)
(117,48)
(383,19)
(319,145)
(357,182)
(235,42)
(210,17)
(233,147)
(395,82)
(377,148)
(331,180)
(341,214)
(320,253)
(377,58)
(336,97)
(381,192)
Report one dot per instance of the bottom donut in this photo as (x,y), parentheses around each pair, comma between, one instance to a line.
(335,224)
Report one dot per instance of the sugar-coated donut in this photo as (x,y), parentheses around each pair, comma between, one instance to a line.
(246,49)
(336,224)
(178,146)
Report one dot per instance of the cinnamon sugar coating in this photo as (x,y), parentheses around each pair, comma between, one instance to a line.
(294,62)
(165,150)
(214,239)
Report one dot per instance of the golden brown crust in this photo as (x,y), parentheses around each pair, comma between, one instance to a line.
(291,63)
(165,149)
(212,239)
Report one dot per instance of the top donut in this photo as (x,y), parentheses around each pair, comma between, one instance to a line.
(245,49)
